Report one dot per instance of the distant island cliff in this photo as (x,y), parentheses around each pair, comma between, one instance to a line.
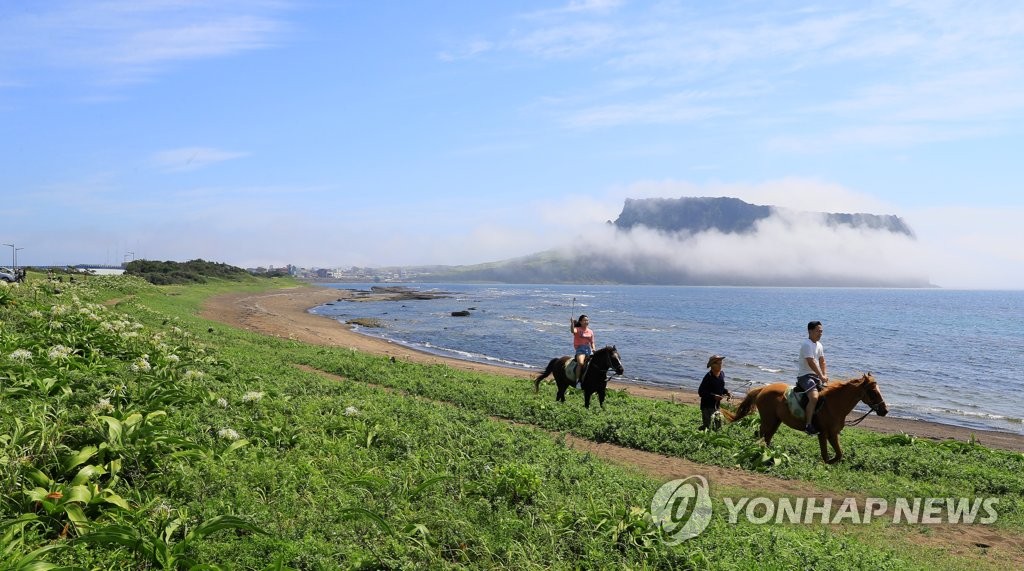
(716,242)
(731,215)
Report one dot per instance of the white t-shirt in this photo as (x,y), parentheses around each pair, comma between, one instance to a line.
(809,349)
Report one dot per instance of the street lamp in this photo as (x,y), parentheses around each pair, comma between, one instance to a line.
(14,255)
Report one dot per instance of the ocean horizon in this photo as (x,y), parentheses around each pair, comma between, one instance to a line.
(949,356)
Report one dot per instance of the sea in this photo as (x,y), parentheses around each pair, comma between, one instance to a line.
(949,356)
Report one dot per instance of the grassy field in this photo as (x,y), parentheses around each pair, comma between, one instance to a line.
(135,435)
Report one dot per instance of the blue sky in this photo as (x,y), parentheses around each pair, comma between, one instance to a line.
(333,133)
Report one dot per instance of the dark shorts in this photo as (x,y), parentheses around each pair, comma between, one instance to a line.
(807,382)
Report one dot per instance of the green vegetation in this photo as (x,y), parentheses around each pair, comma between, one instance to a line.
(133,435)
(192,271)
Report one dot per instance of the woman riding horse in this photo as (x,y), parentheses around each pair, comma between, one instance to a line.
(838,399)
(595,376)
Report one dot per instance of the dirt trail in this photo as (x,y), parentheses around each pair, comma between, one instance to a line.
(283,313)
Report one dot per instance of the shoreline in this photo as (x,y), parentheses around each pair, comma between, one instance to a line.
(285,314)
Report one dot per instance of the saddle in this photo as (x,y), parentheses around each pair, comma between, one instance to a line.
(797,401)
(570,370)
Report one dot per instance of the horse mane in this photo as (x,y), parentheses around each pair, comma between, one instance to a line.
(856,382)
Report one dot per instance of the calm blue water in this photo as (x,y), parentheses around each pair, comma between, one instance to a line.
(955,357)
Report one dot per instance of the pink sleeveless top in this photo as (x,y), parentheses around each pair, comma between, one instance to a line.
(581,338)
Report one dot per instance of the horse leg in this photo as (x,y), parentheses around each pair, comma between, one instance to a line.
(769,426)
(562,385)
(600,398)
(832,439)
(586,399)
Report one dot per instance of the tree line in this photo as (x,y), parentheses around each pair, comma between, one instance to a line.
(192,271)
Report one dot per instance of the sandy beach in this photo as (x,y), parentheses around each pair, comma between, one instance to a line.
(284,313)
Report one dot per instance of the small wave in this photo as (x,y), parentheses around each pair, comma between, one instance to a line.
(960,417)
(518,319)
(760,368)
(971,413)
(466,355)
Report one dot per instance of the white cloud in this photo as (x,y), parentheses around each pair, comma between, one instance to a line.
(785,248)
(840,75)
(192,158)
(469,50)
(675,108)
(566,41)
(127,41)
(576,7)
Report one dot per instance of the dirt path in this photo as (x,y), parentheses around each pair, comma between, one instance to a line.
(283,313)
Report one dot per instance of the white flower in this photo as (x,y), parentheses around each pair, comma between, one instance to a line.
(141,364)
(227,434)
(162,510)
(21,355)
(191,375)
(351,411)
(173,358)
(222,402)
(105,405)
(35,314)
(58,352)
(252,396)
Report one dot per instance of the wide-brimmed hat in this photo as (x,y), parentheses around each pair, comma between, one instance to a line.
(713,359)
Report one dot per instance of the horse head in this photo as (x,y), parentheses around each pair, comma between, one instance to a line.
(613,357)
(871,396)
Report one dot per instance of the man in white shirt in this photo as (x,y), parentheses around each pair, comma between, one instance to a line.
(812,374)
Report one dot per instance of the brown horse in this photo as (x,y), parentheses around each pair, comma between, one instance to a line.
(595,377)
(837,400)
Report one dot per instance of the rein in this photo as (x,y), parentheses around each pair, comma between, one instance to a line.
(871,408)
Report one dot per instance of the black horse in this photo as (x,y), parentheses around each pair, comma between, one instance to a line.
(595,379)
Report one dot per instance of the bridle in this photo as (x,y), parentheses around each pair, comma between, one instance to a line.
(614,363)
(872,407)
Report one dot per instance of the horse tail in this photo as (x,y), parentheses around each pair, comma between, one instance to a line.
(542,376)
(746,407)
